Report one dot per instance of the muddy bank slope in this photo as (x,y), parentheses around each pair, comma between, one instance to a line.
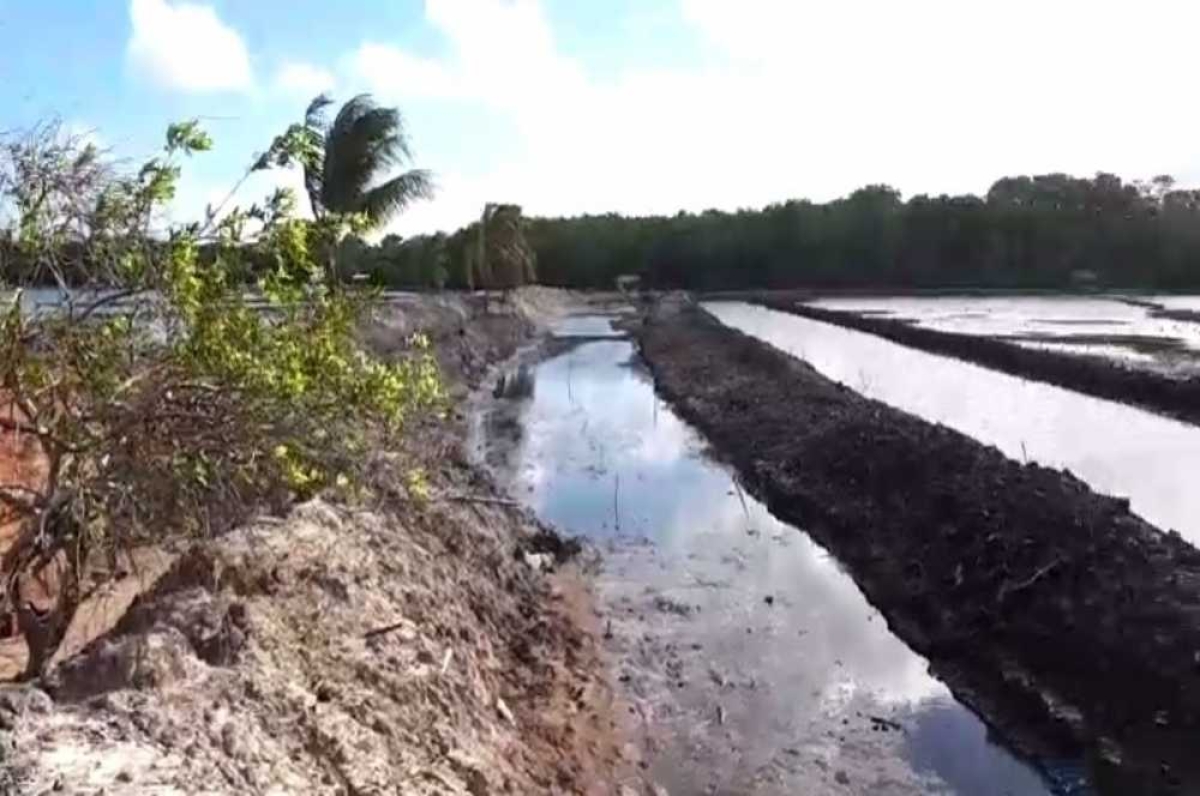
(405,642)
(1068,622)
(1178,398)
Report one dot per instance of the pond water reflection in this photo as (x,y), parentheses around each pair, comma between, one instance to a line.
(1118,449)
(759,656)
(1128,331)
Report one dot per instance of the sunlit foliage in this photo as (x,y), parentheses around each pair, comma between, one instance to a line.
(168,397)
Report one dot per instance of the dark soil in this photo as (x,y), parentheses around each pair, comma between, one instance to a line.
(1069,623)
(1174,397)
(1138,343)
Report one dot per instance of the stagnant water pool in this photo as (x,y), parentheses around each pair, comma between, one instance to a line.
(1129,331)
(753,660)
(1119,450)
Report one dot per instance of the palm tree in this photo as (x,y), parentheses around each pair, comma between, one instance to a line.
(500,256)
(346,166)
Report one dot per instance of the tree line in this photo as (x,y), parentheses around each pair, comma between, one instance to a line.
(493,253)
(1051,231)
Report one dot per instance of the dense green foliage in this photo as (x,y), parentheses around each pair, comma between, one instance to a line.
(420,262)
(1045,232)
(346,162)
(1050,231)
(176,403)
(492,253)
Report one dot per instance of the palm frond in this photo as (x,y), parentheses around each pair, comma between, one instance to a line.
(314,169)
(314,116)
(384,200)
(357,150)
(363,141)
(314,177)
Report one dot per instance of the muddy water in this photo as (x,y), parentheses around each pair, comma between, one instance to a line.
(1117,449)
(753,663)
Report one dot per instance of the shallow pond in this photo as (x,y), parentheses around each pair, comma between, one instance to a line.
(754,663)
(1130,332)
(1119,450)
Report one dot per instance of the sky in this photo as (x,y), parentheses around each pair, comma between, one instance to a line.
(633,106)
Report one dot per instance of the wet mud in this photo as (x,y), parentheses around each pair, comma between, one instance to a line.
(1070,624)
(1158,392)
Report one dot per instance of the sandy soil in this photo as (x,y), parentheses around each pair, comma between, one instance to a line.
(390,646)
(21,465)
(1068,622)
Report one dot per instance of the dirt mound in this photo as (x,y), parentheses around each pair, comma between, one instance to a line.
(387,651)
(22,466)
(1066,620)
(545,304)
(468,331)
(467,334)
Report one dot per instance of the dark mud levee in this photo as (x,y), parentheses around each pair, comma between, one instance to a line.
(1174,397)
(1070,623)
(1116,449)
(752,662)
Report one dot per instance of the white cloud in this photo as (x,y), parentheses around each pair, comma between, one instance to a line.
(806,98)
(944,95)
(187,47)
(393,72)
(502,55)
(305,80)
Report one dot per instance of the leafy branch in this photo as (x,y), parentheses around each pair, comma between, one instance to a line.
(169,403)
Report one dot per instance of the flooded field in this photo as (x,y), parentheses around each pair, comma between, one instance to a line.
(1137,333)
(1117,449)
(752,661)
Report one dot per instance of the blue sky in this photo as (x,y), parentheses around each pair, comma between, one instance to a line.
(639,106)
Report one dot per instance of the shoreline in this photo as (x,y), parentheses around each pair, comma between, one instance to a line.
(1178,399)
(1031,595)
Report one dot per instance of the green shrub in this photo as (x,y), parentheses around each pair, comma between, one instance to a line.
(170,401)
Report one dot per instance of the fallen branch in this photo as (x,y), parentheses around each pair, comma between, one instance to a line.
(20,498)
(105,300)
(887,723)
(741,497)
(1008,590)
(617,503)
(487,501)
(383,631)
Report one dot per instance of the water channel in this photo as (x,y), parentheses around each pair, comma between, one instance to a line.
(753,662)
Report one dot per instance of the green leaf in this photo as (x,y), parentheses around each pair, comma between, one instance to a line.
(187,137)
